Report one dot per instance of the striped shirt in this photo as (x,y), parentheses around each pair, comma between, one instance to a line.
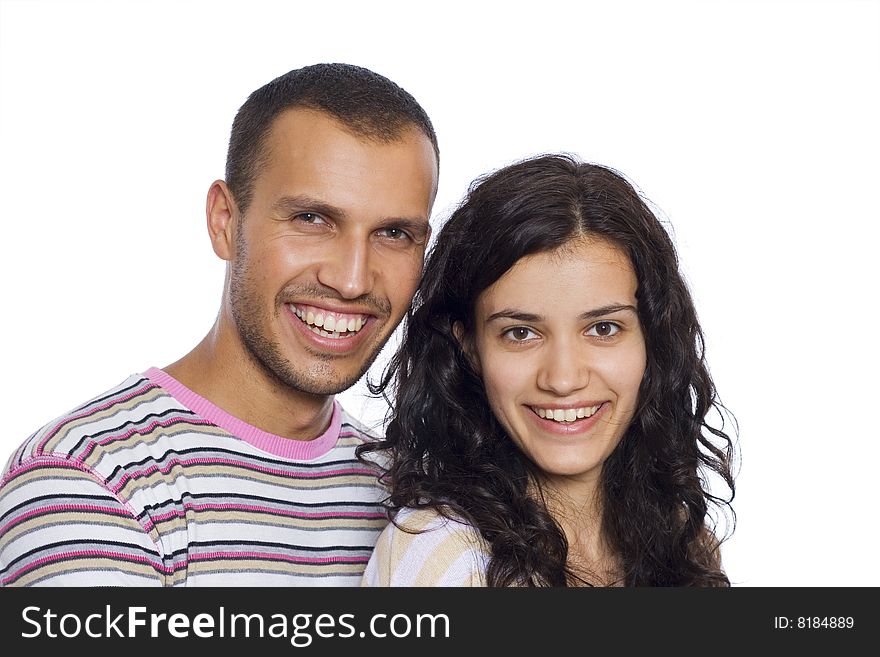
(152,485)
(427,549)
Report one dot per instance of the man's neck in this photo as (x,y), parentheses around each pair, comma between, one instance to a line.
(220,370)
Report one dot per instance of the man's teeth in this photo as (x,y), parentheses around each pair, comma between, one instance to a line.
(330,325)
(566,414)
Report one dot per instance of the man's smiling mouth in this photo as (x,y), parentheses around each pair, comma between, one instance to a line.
(329,324)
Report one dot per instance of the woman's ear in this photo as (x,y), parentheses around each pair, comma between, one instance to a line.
(466,343)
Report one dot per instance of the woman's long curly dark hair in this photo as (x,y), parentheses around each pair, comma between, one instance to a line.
(447,451)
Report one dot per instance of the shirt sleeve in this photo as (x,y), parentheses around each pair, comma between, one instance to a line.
(427,549)
(61,526)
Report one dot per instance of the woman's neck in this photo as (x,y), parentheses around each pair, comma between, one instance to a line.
(578,508)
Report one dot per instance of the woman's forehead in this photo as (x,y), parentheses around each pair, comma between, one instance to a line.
(580,273)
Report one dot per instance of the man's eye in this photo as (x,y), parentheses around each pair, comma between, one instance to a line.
(519,334)
(309,218)
(604,329)
(394,233)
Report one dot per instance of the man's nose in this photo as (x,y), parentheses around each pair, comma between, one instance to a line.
(347,269)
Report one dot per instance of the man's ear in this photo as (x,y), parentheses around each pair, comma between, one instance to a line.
(221,213)
(467,346)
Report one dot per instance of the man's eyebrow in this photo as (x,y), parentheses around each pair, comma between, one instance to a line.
(304,203)
(511,313)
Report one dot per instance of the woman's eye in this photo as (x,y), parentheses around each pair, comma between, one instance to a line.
(604,329)
(520,334)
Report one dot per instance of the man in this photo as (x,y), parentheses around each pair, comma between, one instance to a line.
(234,465)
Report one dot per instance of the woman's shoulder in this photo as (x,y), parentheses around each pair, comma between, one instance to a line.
(422,547)
(430,518)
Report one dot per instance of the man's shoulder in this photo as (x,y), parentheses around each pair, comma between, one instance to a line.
(77,433)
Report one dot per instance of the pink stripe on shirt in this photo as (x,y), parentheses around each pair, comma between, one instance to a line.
(91,410)
(64,556)
(62,507)
(305,450)
(208,556)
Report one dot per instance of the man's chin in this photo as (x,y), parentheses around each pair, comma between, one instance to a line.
(316,375)
(318,383)
(326,390)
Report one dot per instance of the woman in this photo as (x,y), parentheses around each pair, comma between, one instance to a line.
(550,398)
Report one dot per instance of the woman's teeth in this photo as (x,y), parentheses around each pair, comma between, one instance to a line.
(566,414)
(330,325)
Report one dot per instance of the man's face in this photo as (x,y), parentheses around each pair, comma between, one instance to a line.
(329,252)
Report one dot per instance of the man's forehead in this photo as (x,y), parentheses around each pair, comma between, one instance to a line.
(306,125)
(310,153)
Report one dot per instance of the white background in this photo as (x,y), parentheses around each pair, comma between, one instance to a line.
(753,126)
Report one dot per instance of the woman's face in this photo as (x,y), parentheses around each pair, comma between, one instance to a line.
(558,343)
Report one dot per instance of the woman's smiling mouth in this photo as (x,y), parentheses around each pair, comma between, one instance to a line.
(565,414)
(570,420)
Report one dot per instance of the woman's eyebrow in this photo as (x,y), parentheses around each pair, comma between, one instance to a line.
(607,310)
(520,316)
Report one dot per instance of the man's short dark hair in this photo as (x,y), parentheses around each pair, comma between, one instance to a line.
(365,102)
